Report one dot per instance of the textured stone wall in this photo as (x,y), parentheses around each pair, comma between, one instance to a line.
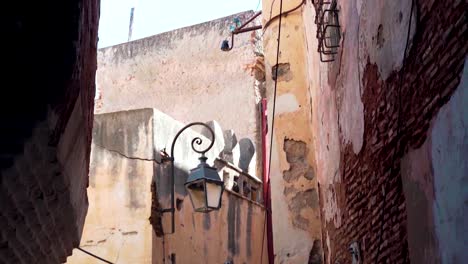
(370,107)
(184,74)
(46,121)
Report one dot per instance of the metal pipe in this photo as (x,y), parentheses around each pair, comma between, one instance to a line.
(241,29)
(250,19)
(237,31)
(267,24)
(266,182)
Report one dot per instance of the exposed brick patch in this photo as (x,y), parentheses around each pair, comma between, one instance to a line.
(302,200)
(431,74)
(296,152)
(284,72)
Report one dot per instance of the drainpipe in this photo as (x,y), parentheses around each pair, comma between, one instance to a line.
(266,183)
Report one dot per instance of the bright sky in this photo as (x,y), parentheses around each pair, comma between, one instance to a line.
(156,16)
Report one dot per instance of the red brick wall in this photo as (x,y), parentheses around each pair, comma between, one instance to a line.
(370,196)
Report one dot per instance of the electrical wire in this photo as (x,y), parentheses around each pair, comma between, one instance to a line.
(397,134)
(259,1)
(282,14)
(273,119)
(92,255)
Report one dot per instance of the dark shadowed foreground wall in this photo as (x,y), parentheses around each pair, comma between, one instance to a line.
(46,114)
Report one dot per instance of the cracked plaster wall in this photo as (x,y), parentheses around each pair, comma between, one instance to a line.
(121,171)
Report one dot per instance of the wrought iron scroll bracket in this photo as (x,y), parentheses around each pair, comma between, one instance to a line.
(195,141)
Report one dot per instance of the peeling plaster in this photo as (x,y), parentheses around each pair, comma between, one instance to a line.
(296,152)
(298,248)
(383,28)
(293,121)
(330,209)
(351,109)
(303,200)
(284,72)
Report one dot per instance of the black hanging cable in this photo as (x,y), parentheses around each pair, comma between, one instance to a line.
(272,122)
(92,255)
(268,23)
(397,134)
(274,94)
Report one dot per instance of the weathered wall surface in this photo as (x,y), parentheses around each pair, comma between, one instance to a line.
(234,233)
(185,74)
(295,206)
(370,109)
(46,122)
(121,171)
(125,163)
(434,183)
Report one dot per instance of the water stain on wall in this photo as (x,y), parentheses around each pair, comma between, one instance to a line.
(249,230)
(234,225)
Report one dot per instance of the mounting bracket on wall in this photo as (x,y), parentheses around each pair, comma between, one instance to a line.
(328,29)
(240,29)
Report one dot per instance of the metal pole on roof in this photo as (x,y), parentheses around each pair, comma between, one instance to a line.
(130,26)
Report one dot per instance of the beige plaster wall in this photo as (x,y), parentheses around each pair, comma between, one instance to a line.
(125,160)
(295,207)
(116,226)
(234,233)
(184,74)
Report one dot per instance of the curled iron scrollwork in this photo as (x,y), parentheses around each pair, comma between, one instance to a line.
(197,140)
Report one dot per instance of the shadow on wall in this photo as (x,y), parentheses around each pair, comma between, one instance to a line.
(128,183)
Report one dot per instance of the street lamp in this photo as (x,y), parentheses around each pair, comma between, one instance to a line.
(203,184)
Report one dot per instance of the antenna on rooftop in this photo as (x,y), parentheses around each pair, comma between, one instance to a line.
(130,26)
